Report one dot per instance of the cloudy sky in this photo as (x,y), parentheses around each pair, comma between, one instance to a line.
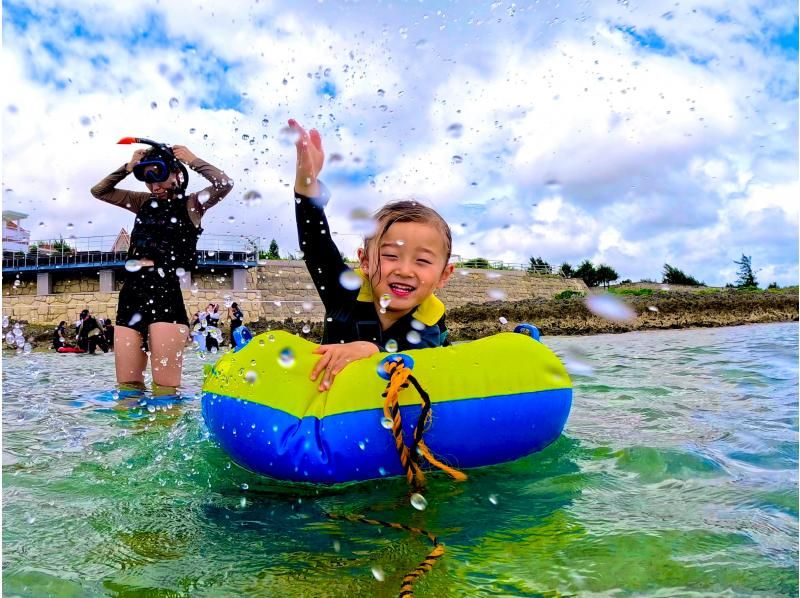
(629,132)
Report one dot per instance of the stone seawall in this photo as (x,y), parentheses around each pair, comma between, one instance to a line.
(276,291)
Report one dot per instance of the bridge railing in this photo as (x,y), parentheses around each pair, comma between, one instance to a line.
(79,252)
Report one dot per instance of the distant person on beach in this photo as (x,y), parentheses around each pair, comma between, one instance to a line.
(90,334)
(236,317)
(151,312)
(108,330)
(60,335)
(205,331)
(388,303)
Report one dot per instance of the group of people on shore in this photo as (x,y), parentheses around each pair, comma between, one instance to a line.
(91,333)
(401,265)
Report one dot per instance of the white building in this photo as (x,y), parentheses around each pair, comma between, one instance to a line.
(15,238)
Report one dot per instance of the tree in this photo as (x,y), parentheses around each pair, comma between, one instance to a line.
(273,253)
(674,276)
(746,277)
(566,270)
(587,272)
(537,264)
(605,274)
(773,285)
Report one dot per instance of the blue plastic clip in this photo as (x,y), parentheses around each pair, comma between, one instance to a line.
(393,357)
(529,330)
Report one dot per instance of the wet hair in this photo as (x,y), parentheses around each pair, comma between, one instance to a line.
(62,323)
(235,305)
(107,322)
(408,210)
(84,313)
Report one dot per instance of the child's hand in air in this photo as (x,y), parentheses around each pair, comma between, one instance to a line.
(336,357)
(310,158)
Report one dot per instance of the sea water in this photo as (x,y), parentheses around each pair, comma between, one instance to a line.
(676,473)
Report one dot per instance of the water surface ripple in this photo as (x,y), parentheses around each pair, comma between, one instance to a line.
(676,475)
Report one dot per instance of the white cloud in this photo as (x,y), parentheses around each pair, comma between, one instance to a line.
(684,154)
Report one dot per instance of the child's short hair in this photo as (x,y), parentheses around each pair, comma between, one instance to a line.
(408,210)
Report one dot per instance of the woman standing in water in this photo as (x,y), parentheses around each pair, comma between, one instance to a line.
(151,313)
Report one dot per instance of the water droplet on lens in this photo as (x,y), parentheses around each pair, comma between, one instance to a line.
(173,102)
(386,423)
(306,329)
(496,294)
(455,130)
(413,337)
(457,159)
(417,325)
(336,546)
(135,319)
(361,445)
(286,358)
(610,308)
(252,198)
(350,280)
(493,499)
(287,136)
(503,320)
(250,377)
(418,501)
(378,573)
(391,345)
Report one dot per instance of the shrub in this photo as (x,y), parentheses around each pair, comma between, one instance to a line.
(568,294)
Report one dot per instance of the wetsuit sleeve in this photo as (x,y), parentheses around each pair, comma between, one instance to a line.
(322,257)
(106,190)
(221,185)
(430,337)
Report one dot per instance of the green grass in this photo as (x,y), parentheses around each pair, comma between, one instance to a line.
(634,292)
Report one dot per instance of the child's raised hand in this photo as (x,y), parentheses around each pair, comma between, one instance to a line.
(336,357)
(310,158)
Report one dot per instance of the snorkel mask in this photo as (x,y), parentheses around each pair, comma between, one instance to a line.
(158,163)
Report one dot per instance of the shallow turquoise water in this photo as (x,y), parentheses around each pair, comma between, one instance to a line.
(677,473)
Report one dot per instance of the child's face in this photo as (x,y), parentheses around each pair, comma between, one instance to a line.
(409,264)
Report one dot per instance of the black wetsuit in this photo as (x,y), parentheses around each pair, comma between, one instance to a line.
(88,339)
(347,318)
(58,337)
(164,233)
(238,315)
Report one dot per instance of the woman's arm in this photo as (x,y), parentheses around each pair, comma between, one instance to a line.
(221,184)
(106,190)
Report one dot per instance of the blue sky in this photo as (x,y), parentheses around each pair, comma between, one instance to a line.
(629,133)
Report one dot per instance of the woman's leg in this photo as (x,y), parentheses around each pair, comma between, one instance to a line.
(129,357)
(167,344)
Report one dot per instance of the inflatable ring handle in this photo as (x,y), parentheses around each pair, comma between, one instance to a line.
(406,359)
(529,330)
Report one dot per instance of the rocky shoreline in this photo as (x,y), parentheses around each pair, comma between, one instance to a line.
(658,311)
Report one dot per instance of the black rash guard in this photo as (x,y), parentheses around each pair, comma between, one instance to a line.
(350,315)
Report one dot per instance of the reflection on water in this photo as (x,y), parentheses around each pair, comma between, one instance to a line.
(677,472)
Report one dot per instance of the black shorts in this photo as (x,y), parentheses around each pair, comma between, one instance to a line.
(148,297)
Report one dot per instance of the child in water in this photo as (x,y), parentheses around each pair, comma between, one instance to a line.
(391,307)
